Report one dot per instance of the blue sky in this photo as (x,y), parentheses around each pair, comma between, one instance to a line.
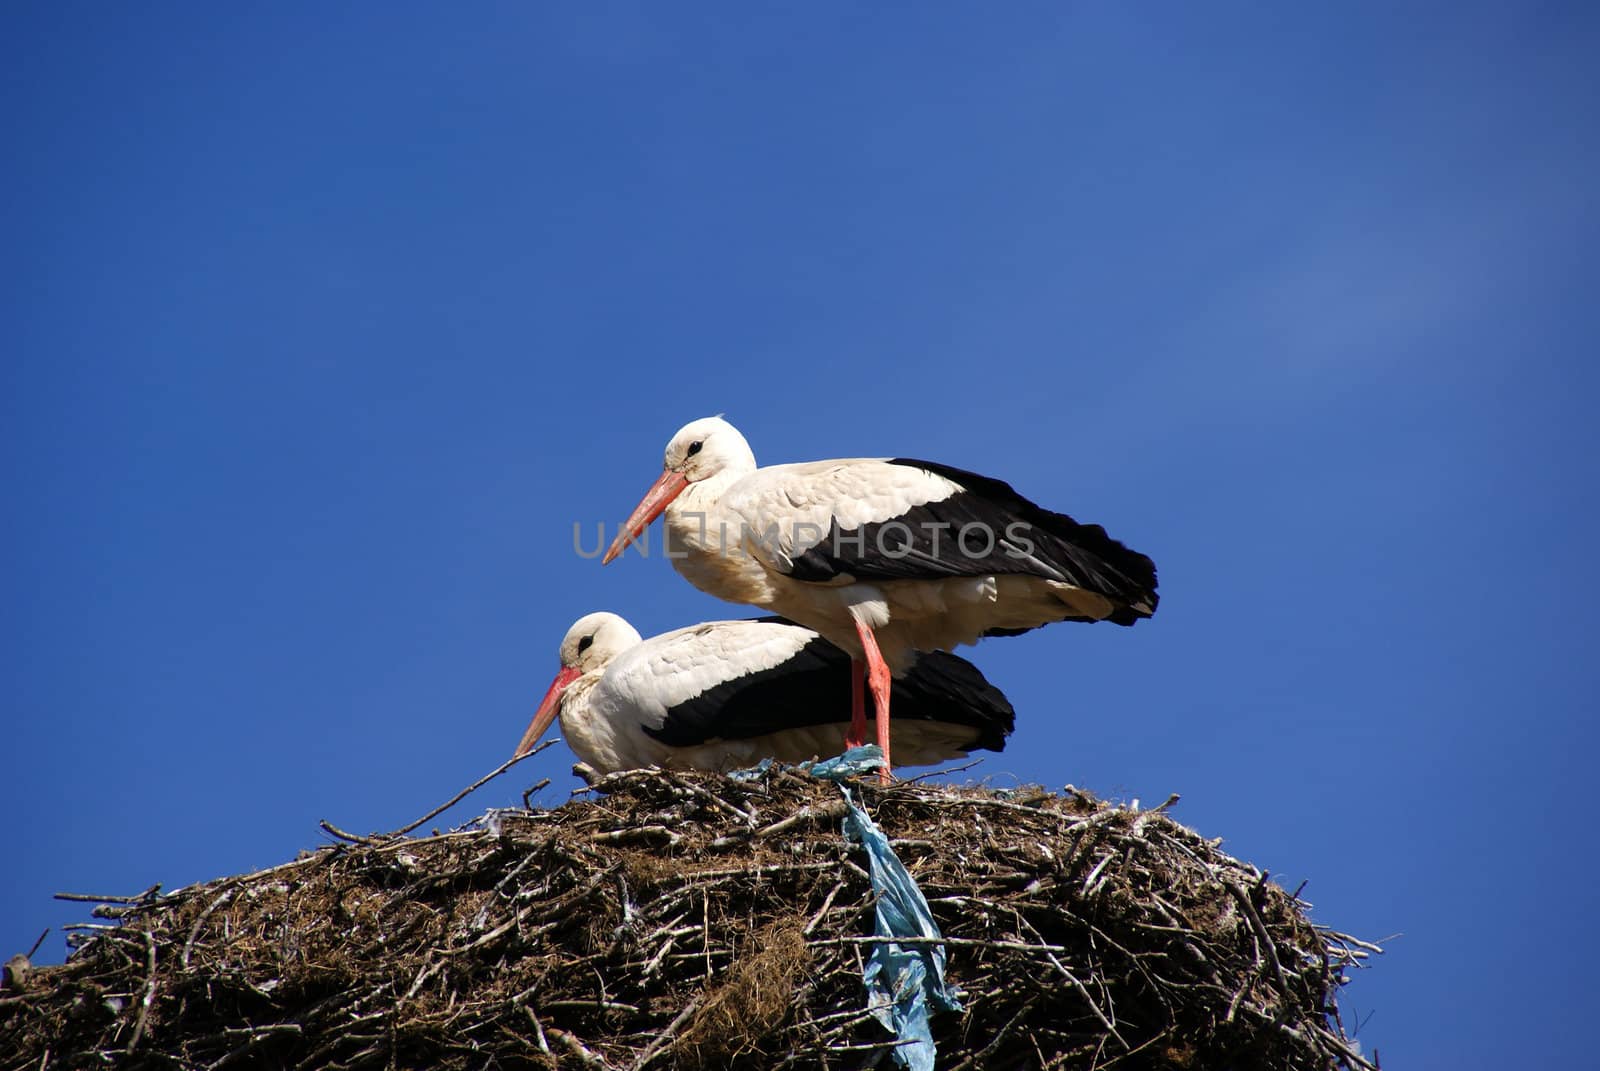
(324,326)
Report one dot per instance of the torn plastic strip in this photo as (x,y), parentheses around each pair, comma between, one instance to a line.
(904,983)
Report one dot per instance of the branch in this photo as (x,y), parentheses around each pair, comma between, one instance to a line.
(479,783)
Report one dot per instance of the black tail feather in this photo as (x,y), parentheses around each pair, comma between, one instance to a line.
(944,687)
(1084,552)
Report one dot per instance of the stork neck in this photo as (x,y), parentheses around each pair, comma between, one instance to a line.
(696,520)
(575,702)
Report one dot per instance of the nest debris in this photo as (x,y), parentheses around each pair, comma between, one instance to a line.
(680,920)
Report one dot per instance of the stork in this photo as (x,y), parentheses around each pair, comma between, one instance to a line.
(727,694)
(883,557)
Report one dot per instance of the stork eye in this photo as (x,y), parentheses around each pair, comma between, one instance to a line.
(583,644)
(694,448)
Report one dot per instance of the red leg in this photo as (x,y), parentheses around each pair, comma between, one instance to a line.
(878,680)
(858,705)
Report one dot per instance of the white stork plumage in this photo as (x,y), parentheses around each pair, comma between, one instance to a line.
(882,556)
(727,694)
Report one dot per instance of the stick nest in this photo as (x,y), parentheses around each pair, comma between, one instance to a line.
(677,920)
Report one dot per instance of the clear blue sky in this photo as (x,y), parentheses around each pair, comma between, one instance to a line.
(323,326)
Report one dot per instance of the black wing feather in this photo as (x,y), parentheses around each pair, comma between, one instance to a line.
(813,688)
(925,543)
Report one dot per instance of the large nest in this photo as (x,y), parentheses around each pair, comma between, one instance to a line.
(682,920)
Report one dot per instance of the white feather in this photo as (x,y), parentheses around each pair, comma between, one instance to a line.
(719,531)
(629,683)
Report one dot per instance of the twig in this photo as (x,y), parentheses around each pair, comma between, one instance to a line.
(333,830)
(962,942)
(464,793)
(144,897)
(252,1035)
(1260,929)
(939,773)
(654,963)
(665,1038)
(497,932)
(1368,945)
(194,931)
(589,1005)
(538,1029)
(705,928)
(1088,999)
(716,802)
(539,786)
(981,1057)
(149,992)
(589,1057)
(700,876)
(1089,882)
(823,910)
(806,814)
(428,971)
(638,833)
(873,1046)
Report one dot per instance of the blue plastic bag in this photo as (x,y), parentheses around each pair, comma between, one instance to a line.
(905,982)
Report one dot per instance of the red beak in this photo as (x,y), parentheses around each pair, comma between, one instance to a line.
(549,707)
(662,492)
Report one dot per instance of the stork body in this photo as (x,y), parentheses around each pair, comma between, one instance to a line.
(884,557)
(726,694)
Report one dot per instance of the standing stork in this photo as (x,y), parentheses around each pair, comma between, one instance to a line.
(882,556)
(727,694)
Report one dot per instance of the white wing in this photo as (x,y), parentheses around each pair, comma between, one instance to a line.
(647,680)
(784,510)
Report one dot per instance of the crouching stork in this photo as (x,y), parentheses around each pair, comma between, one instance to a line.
(726,694)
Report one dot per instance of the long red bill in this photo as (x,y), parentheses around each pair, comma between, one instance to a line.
(655,500)
(549,707)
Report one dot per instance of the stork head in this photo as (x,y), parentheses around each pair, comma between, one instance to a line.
(707,447)
(588,647)
(700,450)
